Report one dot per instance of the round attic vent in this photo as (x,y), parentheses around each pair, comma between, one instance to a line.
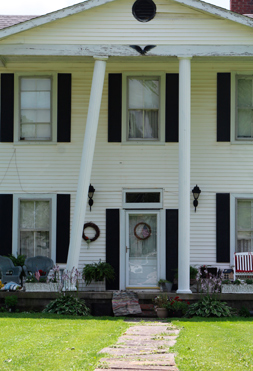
(144,10)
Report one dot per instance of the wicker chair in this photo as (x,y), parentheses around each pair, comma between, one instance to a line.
(8,271)
(36,263)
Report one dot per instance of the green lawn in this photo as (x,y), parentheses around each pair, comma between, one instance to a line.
(50,342)
(215,344)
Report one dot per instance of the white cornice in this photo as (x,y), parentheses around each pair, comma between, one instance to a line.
(77,8)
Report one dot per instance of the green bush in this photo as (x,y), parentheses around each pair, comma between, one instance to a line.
(244,312)
(209,306)
(249,281)
(11,301)
(18,261)
(68,305)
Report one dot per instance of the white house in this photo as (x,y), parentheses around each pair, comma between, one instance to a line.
(144,100)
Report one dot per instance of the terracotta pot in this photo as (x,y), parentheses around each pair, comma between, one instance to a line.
(162,312)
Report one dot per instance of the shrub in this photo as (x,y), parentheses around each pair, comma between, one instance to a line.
(68,305)
(226,282)
(249,281)
(161,301)
(11,301)
(237,282)
(193,272)
(176,304)
(209,306)
(244,312)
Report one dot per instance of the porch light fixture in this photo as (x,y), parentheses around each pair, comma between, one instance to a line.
(90,195)
(196,192)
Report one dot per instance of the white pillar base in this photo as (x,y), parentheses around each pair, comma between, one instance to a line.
(184,292)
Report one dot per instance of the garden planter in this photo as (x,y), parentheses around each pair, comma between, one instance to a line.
(40,287)
(237,289)
(162,312)
(166,287)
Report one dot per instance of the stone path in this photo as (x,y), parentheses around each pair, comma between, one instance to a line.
(142,347)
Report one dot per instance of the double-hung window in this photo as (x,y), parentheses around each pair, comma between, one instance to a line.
(35,108)
(244,108)
(244,225)
(143,108)
(34,225)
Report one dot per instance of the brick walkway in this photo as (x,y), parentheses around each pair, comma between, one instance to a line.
(142,347)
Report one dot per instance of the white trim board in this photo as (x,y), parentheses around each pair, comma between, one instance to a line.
(77,8)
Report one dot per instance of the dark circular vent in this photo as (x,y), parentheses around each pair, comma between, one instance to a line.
(144,10)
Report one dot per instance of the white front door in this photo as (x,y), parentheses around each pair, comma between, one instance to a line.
(142,253)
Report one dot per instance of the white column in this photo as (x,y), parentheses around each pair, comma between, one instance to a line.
(86,161)
(184,175)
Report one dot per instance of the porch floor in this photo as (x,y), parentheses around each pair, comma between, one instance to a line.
(100,302)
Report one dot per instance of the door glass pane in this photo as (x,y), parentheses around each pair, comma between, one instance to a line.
(243,215)
(142,250)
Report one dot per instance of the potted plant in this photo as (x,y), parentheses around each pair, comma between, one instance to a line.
(165,285)
(161,302)
(97,272)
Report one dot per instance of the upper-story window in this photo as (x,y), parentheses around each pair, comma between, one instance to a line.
(143,108)
(35,108)
(244,108)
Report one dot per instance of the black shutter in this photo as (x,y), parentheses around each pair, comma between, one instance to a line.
(114,107)
(172,107)
(6,201)
(64,108)
(62,227)
(223,107)
(171,243)
(223,227)
(112,245)
(7,107)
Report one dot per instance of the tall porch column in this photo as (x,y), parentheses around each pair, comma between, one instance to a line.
(86,161)
(184,175)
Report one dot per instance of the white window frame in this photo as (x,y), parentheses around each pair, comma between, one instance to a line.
(233,220)
(161,115)
(16,219)
(17,78)
(142,205)
(233,137)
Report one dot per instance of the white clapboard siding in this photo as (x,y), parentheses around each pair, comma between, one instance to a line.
(113,23)
(215,167)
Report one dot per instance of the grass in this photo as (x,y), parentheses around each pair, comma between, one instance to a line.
(51,342)
(214,344)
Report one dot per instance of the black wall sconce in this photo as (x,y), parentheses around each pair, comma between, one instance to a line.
(196,192)
(90,195)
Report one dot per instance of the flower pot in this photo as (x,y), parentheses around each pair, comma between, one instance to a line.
(166,287)
(162,312)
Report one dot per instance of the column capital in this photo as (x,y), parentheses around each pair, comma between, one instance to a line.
(100,57)
(180,57)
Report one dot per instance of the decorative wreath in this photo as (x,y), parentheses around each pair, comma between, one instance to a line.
(142,231)
(95,227)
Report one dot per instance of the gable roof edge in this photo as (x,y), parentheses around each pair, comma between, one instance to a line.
(51,17)
(77,8)
(217,11)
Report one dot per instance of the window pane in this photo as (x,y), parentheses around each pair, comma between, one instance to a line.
(28,100)
(35,100)
(143,93)
(27,244)
(28,131)
(34,116)
(42,244)
(244,92)
(27,214)
(243,215)
(43,131)
(245,123)
(151,94)
(42,210)
(33,84)
(135,124)
(135,197)
(150,124)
